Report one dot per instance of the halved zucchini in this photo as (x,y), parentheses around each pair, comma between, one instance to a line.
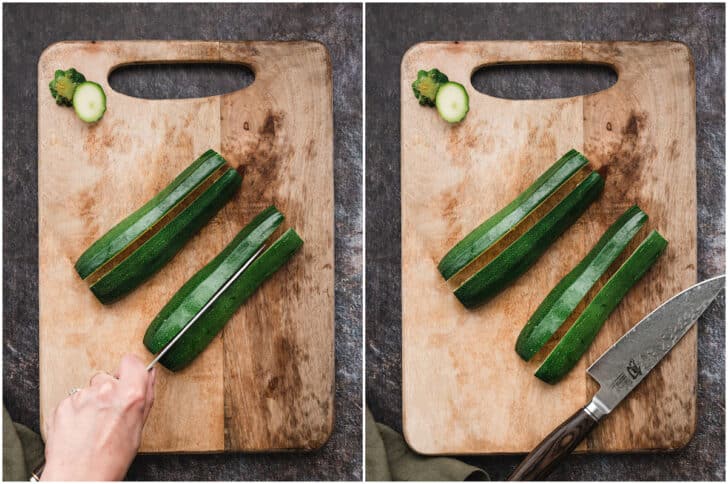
(561,302)
(509,264)
(507,219)
(577,340)
(148,238)
(201,287)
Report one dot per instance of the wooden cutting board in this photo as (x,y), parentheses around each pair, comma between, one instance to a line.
(465,391)
(267,382)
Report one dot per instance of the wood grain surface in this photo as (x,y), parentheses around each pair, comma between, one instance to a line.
(465,390)
(267,382)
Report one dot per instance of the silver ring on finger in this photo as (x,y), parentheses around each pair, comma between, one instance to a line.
(73,390)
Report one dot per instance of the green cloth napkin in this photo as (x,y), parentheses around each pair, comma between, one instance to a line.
(22,450)
(390,459)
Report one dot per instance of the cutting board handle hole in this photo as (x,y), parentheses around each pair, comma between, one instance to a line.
(180,81)
(542,81)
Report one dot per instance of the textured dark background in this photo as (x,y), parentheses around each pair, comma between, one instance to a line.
(391,30)
(339,28)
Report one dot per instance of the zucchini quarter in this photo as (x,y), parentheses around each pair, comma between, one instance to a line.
(507,244)
(494,270)
(201,287)
(578,338)
(562,301)
(147,239)
(507,219)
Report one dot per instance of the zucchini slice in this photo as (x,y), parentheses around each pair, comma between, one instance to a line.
(577,340)
(518,257)
(139,231)
(507,219)
(89,101)
(198,290)
(452,102)
(561,302)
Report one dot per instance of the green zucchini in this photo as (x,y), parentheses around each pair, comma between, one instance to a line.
(202,286)
(493,229)
(133,226)
(452,102)
(159,249)
(144,241)
(518,257)
(89,101)
(564,298)
(577,340)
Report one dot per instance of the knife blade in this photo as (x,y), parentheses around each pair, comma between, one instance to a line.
(625,364)
(199,314)
(619,370)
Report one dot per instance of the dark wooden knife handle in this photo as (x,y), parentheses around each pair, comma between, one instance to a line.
(554,448)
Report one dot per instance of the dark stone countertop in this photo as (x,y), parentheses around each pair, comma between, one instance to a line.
(391,30)
(339,28)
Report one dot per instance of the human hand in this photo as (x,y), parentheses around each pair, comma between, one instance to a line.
(94,434)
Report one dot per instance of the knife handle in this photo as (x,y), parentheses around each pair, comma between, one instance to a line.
(555,447)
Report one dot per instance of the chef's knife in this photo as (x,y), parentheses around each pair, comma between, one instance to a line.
(38,471)
(619,370)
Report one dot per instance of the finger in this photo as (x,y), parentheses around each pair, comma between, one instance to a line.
(54,415)
(48,422)
(149,401)
(124,365)
(76,394)
(133,373)
(133,377)
(82,396)
(99,378)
